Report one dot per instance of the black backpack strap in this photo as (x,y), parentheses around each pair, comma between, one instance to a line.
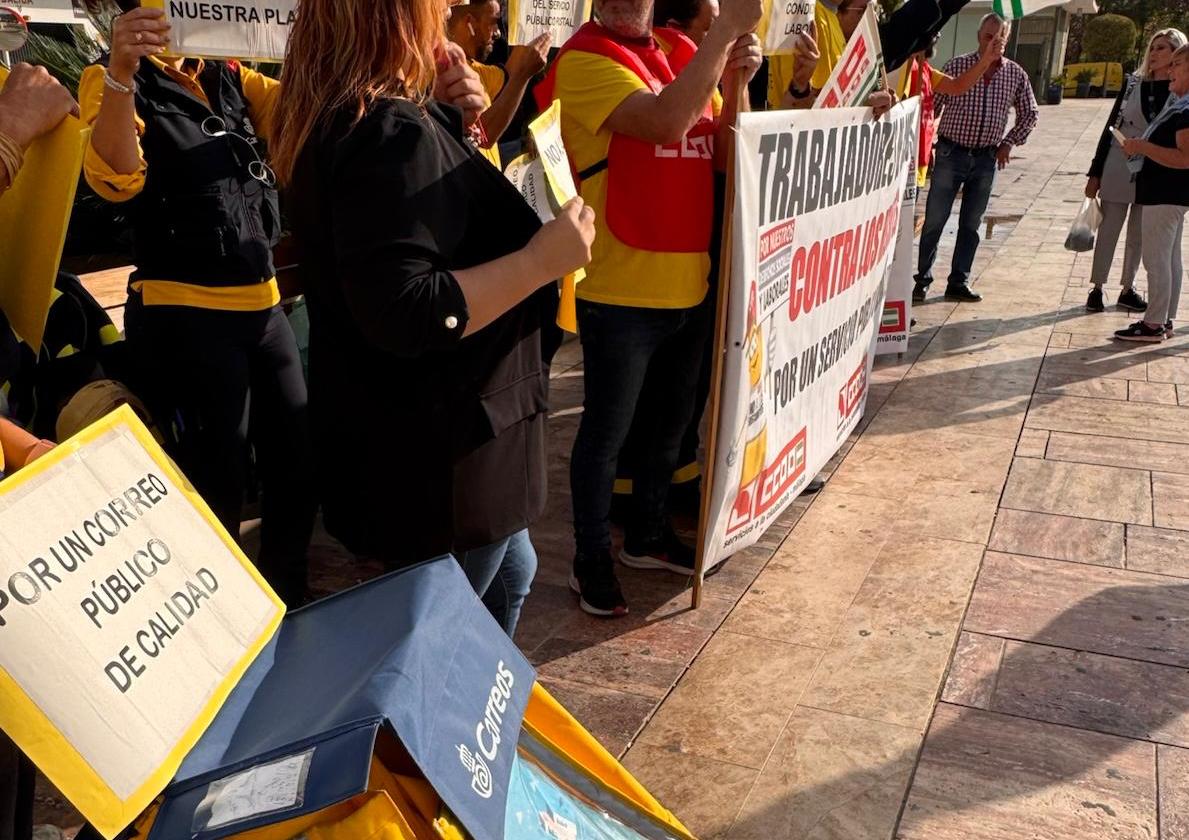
(592,170)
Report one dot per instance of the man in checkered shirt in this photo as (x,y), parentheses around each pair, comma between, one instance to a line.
(973,141)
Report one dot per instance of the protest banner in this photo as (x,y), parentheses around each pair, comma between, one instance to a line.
(34,216)
(783,20)
(560,18)
(551,152)
(897,308)
(246,29)
(860,70)
(127,615)
(817,209)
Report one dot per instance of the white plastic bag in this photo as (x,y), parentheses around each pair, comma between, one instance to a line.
(1085,223)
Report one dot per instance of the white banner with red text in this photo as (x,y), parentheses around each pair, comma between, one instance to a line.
(816,216)
(859,71)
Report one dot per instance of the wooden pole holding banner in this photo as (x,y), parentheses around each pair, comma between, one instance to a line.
(716,369)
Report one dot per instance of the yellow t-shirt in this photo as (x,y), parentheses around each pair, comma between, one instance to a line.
(590,88)
(493,80)
(830,43)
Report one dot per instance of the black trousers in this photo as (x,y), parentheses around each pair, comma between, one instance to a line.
(219,382)
(17,780)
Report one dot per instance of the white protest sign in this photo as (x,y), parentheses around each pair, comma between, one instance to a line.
(897,308)
(48,11)
(560,18)
(127,615)
(527,174)
(859,71)
(817,210)
(546,133)
(247,29)
(551,152)
(783,20)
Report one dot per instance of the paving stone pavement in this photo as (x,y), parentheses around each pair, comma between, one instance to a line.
(979,629)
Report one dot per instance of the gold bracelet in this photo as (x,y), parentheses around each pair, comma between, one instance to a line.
(11,157)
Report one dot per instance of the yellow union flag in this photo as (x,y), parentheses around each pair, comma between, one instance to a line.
(34,215)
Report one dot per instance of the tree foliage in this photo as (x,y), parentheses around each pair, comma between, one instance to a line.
(1109,38)
(1150,15)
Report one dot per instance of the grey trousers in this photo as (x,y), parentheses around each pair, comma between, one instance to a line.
(1113,214)
(1164,225)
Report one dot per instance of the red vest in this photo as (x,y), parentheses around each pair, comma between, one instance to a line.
(659,198)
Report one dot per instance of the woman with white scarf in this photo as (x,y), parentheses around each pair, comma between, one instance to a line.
(1140,101)
(1160,160)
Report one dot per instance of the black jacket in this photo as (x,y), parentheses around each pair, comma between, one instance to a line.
(428,442)
(201,217)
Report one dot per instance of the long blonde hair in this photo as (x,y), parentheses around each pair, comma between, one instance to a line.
(1176,39)
(349,53)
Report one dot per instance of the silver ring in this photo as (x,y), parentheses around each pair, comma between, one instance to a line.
(139,37)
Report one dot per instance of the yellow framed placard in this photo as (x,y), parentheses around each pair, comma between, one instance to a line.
(127,616)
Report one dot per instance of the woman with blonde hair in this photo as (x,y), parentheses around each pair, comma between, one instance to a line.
(1160,161)
(1141,99)
(428,279)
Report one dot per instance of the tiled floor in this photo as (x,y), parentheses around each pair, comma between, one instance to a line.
(978,630)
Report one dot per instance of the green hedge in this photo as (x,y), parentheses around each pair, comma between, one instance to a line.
(1109,38)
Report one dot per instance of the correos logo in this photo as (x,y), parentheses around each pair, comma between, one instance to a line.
(488,733)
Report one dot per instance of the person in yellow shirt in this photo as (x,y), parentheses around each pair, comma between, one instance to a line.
(793,79)
(182,142)
(475,27)
(692,18)
(638,120)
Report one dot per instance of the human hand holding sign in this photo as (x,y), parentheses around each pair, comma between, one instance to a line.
(806,56)
(745,58)
(32,103)
(458,85)
(563,245)
(134,35)
(880,102)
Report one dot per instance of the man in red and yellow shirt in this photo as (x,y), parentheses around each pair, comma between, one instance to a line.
(639,123)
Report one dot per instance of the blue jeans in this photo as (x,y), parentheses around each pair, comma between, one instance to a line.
(955,169)
(640,363)
(501,575)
